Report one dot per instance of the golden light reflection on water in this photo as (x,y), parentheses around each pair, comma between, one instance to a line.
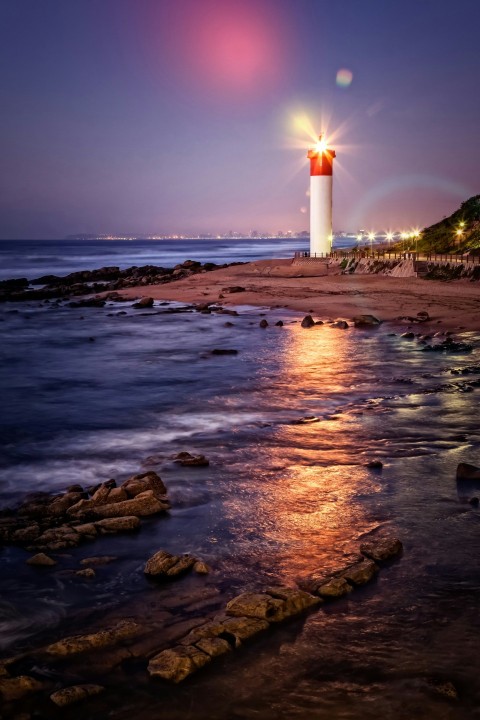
(307,508)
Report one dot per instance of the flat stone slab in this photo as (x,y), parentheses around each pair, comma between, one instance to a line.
(75,693)
(82,643)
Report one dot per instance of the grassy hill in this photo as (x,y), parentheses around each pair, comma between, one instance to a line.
(443,236)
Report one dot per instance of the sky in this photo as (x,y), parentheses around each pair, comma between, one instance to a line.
(194,116)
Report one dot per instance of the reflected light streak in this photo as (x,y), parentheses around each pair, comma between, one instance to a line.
(310,504)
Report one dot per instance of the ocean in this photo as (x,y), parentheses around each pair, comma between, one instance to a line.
(90,394)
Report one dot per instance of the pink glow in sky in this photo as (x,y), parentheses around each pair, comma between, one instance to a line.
(222,51)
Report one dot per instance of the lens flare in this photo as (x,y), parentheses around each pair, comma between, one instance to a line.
(344,78)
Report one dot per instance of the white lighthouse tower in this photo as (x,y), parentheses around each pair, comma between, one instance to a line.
(321,182)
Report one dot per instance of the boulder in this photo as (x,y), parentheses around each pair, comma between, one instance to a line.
(99,497)
(143,505)
(145,481)
(307,322)
(42,560)
(334,588)
(103,638)
(75,693)
(58,538)
(26,535)
(177,663)
(365,321)
(279,323)
(235,629)
(87,530)
(99,560)
(145,302)
(117,495)
(382,549)
(201,568)
(423,315)
(467,472)
(275,605)
(164,564)
(407,335)
(255,605)
(294,601)
(187,460)
(361,573)
(60,505)
(374,464)
(263,323)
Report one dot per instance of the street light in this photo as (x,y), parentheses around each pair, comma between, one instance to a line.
(371,237)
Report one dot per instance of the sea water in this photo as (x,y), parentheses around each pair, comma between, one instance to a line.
(90,394)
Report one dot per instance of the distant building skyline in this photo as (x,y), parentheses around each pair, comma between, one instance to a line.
(185,115)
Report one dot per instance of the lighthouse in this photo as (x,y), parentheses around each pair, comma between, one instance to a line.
(321,182)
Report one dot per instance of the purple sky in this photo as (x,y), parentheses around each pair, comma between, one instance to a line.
(183,116)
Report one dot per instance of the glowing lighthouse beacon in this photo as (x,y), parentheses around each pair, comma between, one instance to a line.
(321,181)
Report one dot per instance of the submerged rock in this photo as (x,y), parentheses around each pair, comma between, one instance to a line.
(100,560)
(374,464)
(145,481)
(224,351)
(42,560)
(341,324)
(86,573)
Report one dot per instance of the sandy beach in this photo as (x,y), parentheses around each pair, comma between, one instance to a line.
(277,283)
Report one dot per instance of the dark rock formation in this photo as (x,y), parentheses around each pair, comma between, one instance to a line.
(467,472)
(365,321)
(187,460)
(308,322)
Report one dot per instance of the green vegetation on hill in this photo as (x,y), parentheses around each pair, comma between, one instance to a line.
(459,233)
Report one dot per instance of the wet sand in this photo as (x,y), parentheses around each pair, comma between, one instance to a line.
(278,283)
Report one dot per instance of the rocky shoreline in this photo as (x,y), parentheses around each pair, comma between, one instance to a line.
(102,280)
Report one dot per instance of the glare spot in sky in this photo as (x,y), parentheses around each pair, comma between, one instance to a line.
(303,209)
(344,78)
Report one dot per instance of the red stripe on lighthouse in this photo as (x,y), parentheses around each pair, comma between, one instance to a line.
(321,163)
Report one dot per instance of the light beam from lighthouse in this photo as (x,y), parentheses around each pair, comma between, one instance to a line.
(321,186)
